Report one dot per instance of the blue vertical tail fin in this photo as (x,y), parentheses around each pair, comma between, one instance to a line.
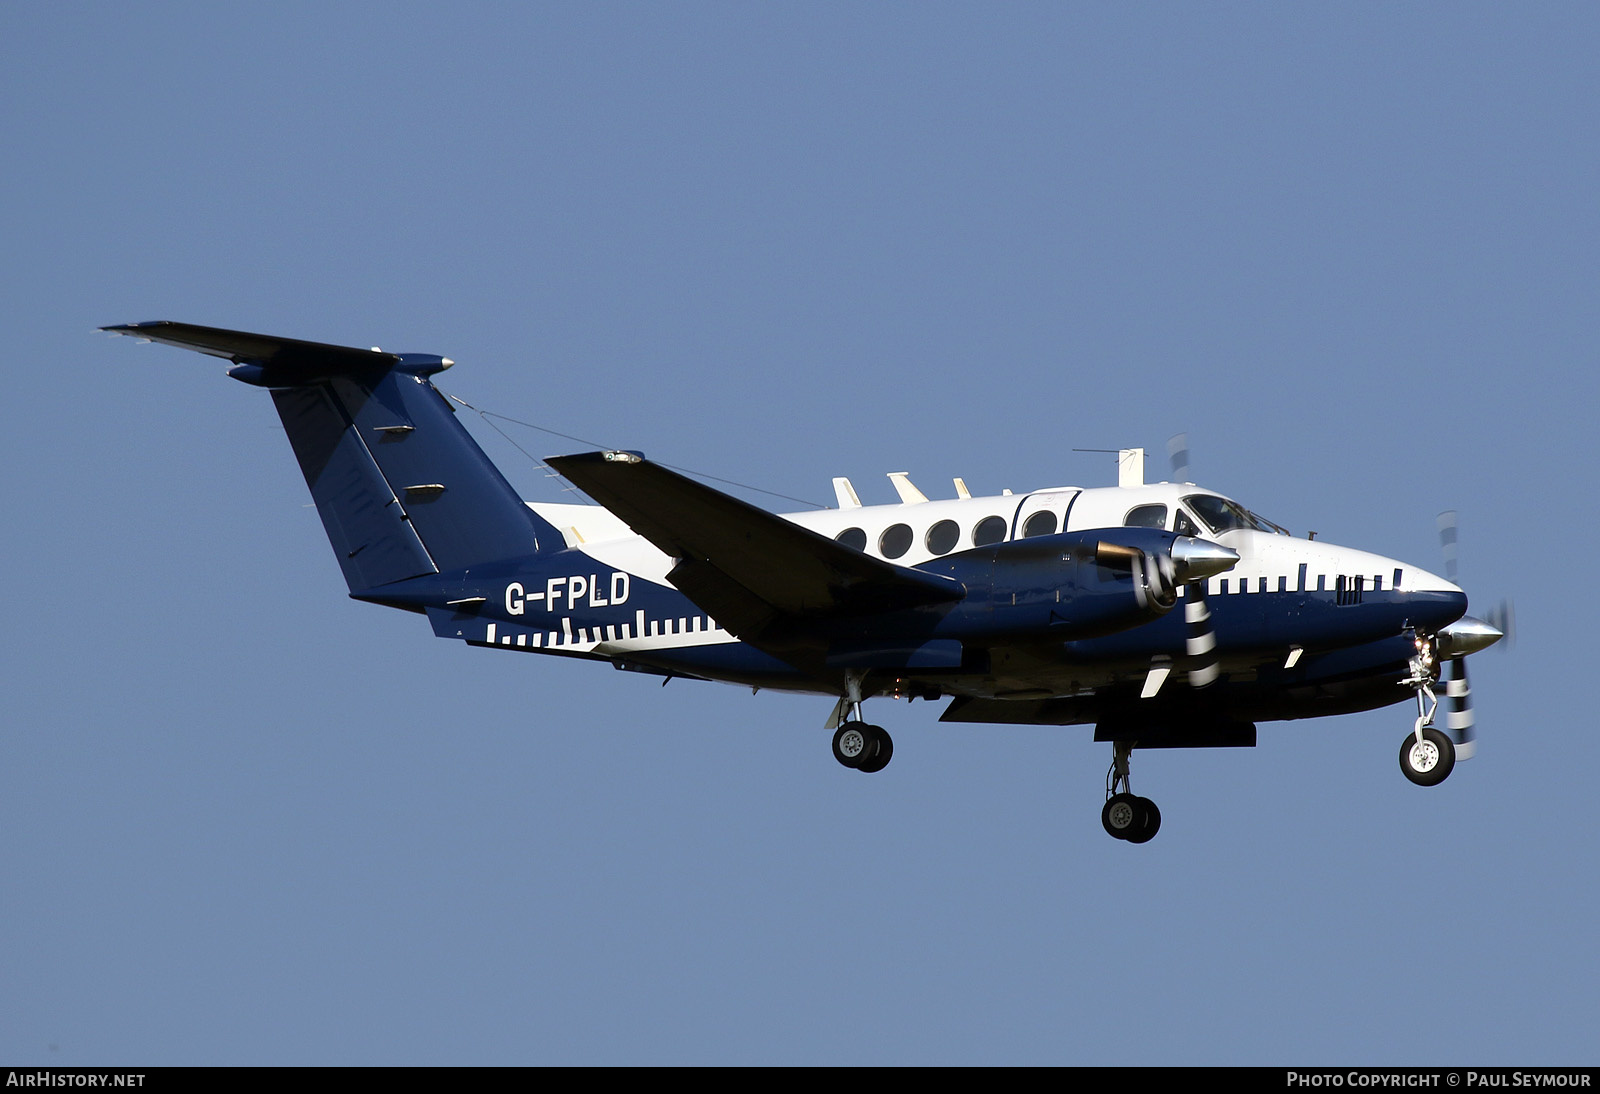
(402,488)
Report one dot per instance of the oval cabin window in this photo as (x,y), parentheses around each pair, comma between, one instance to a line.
(943,537)
(989,530)
(895,541)
(1040,524)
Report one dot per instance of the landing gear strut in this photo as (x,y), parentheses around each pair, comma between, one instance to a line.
(1427,755)
(1125,816)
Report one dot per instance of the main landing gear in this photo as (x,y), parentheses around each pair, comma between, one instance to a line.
(1427,755)
(856,744)
(1126,816)
(862,746)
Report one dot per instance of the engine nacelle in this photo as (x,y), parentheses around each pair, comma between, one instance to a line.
(1080,584)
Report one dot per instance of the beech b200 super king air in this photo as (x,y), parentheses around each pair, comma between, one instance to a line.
(1165,615)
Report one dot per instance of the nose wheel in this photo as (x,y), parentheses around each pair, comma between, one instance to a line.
(1127,816)
(1428,757)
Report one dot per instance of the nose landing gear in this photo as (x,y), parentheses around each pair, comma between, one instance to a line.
(1427,755)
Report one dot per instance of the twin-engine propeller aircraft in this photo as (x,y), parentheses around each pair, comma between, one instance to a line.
(1165,615)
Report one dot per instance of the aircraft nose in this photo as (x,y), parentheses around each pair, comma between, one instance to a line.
(1416,579)
(1431,601)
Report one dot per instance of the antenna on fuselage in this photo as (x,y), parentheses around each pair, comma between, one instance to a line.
(1130,467)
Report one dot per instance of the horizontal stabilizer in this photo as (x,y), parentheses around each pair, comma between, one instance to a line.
(242,347)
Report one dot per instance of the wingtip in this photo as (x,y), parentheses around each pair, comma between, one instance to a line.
(135,328)
(604,456)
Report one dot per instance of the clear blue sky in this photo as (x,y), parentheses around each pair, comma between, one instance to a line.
(1351,250)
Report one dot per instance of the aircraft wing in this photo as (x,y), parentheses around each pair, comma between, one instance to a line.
(754,572)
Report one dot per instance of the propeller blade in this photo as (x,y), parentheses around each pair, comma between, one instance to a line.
(1447,543)
(1178,453)
(1189,561)
(1154,576)
(1503,617)
(1467,635)
(1117,556)
(1201,643)
(1458,718)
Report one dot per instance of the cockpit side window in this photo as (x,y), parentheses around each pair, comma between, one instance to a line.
(1223,515)
(1146,516)
(1183,525)
(1217,513)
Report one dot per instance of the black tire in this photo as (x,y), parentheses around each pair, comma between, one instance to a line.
(1152,821)
(1122,816)
(853,744)
(880,753)
(1428,763)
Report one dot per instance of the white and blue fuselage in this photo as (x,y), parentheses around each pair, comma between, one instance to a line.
(1282,607)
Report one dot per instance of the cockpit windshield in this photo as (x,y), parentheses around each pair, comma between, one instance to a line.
(1222,515)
